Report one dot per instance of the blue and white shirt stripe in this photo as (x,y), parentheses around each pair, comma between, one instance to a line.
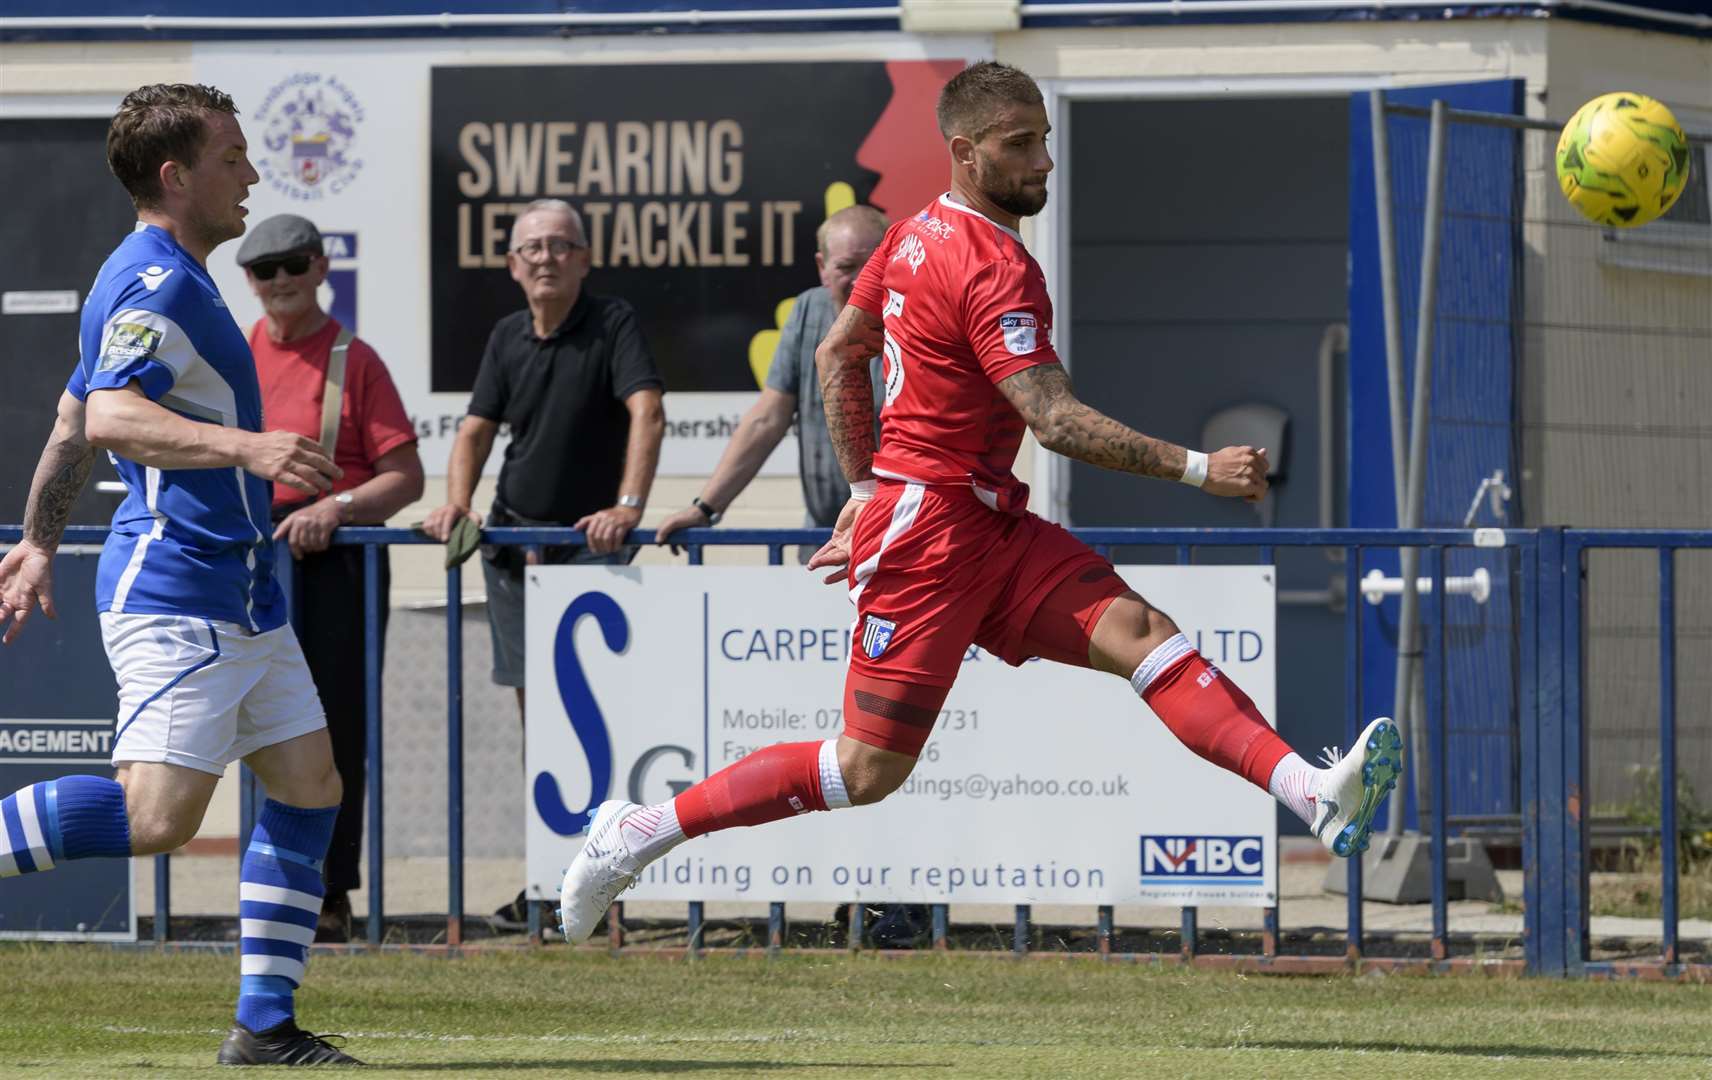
(185,541)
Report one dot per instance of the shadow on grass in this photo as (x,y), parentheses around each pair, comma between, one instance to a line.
(572,1066)
(1546,1053)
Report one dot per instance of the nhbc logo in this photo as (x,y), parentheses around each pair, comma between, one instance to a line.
(1216,860)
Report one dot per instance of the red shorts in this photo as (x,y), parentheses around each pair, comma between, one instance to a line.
(935,570)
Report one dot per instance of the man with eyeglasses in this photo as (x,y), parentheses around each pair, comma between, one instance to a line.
(322,382)
(575,382)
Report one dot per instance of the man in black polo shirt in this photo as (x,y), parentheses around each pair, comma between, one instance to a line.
(573,379)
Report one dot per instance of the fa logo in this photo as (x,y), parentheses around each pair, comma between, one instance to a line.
(876,635)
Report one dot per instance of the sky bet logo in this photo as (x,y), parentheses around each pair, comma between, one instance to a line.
(1215,860)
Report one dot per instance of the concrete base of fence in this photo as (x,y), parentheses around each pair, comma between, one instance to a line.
(1399,870)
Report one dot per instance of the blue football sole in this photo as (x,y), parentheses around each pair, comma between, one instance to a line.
(1382,763)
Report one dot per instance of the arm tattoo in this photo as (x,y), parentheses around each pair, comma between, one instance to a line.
(59,479)
(1062,423)
(848,392)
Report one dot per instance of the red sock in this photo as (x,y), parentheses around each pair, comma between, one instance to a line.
(1215,719)
(777,782)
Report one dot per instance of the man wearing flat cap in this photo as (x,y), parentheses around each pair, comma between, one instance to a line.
(324,383)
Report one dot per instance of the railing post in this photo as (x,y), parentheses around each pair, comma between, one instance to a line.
(1667,746)
(775,928)
(1576,809)
(455,756)
(858,924)
(163,898)
(1433,721)
(1544,819)
(1353,722)
(695,925)
(372,601)
(1020,930)
(1529,717)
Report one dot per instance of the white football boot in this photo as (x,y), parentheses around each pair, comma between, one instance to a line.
(1353,786)
(604,868)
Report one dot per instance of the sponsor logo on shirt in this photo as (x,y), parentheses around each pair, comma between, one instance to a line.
(128,342)
(894,304)
(1206,677)
(912,251)
(876,635)
(932,226)
(153,276)
(1021,332)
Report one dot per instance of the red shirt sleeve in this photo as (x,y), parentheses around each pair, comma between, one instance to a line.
(380,418)
(869,292)
(1008,318)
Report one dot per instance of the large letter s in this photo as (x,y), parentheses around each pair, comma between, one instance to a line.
(583,710)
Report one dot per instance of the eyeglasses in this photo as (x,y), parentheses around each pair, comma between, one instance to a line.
(542,247)
(295,265)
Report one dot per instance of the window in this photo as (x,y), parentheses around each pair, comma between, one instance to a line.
(1681,241)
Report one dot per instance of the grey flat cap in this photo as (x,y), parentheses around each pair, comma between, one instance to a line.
(282,234)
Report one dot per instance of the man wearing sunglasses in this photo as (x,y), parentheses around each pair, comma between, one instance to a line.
(320,381)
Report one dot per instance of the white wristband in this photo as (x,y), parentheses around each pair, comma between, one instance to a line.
(1195,469)
(862,490)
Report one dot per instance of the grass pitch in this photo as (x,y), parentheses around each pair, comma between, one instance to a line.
(77,1011)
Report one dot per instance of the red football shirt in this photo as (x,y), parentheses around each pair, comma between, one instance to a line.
(964,306)
(372,420)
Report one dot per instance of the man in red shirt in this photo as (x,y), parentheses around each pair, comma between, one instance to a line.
(937,545)
(298,346)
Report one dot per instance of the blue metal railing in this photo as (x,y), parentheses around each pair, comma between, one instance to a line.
(1666,543)
(1543,568)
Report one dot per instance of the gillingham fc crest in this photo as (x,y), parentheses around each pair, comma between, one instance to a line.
(876,635)
(309,125)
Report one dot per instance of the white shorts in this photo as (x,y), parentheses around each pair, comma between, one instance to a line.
(203,693)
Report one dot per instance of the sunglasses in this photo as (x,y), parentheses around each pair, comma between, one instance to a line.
(295,265)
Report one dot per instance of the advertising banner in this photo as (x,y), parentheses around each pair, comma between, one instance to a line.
(1041,784)
(702,185)
(84,900)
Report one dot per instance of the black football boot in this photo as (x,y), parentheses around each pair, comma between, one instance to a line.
(283,1044)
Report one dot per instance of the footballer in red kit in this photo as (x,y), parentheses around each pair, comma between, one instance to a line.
(938,548)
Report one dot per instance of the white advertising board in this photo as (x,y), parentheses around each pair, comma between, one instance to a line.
(369,194)
(1041,784)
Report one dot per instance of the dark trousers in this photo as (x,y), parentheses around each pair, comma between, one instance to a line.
(332,636)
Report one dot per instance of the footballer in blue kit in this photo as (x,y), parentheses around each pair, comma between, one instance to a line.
(192,618)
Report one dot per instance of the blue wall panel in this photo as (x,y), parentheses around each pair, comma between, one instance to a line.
(1471,420)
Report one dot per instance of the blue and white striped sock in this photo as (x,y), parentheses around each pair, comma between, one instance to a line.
(279,899)
(74,817)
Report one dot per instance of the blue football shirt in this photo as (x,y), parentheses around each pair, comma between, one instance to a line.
(191,542)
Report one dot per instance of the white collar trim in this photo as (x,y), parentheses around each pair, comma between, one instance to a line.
(947,200)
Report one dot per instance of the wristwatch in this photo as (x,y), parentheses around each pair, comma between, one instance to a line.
(630,502)
(344,504)
(708,512)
